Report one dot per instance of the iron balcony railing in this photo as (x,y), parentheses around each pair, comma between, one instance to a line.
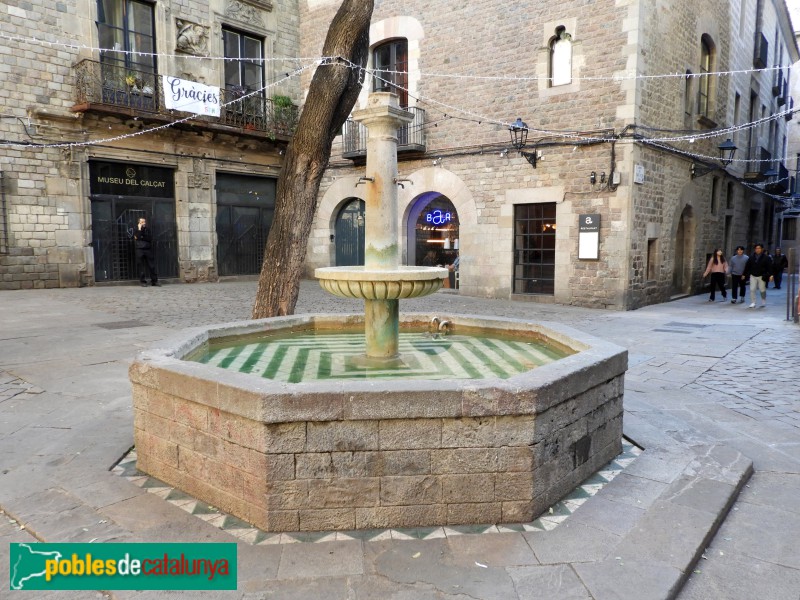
(779,183)
(410,137)
(759,161)
(113,88)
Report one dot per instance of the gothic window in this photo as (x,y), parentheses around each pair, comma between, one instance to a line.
(125,28)
(706,67)
(390,63)
(560,58)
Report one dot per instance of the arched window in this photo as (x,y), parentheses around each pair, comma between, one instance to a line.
(561,58)
(390,62)
(706,67)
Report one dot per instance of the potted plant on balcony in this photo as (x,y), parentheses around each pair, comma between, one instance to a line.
(283,109)
(139,94)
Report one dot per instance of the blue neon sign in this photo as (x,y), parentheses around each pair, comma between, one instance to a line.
(437,217)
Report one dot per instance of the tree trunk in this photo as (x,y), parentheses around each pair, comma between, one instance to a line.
(331,96)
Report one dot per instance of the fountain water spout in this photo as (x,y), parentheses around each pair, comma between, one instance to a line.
(382,281)
(434,324)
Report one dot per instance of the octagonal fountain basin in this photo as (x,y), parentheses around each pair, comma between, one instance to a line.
(343,446)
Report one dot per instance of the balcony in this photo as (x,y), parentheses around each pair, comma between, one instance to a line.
(410,137)
(780,185)
(113,89)
(759,161)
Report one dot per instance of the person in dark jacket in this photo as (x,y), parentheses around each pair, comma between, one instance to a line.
(779,263)
(759,270)
(143,240)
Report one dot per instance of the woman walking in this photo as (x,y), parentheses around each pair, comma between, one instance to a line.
(717,267)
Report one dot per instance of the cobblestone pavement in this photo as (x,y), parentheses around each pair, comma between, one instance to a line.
(760,379)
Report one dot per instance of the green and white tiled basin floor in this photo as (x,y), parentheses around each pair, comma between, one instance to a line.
(329,356)
(551,518)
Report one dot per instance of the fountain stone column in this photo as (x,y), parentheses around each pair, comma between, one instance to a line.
(382,281)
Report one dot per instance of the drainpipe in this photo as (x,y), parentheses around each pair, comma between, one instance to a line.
(3,217)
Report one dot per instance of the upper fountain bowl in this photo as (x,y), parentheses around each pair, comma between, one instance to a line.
(381,284)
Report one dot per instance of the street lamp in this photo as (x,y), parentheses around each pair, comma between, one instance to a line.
(726,151)
(519,134)
(519,138)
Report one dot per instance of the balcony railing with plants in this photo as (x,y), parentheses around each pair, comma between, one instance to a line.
(115,89)
(410,137)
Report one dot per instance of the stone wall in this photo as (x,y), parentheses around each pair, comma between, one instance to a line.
(363,474)
(470,143)
(46,189)
(614,42)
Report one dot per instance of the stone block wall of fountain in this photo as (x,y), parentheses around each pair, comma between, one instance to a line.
(361,454)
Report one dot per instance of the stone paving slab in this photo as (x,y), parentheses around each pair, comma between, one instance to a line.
(686,475)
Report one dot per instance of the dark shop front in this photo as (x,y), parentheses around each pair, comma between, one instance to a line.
(120,193)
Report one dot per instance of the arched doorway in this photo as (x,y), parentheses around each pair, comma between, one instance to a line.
(349,234)
(433,232)
(682,266)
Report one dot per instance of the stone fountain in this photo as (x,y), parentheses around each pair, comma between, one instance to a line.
(297,447)
(382,281)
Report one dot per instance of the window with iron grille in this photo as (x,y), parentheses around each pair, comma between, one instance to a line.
(534,248)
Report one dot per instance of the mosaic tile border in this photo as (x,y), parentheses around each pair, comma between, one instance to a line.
(244,531)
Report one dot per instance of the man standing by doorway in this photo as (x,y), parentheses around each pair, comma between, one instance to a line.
(779,263)
(759,270)
(143,239)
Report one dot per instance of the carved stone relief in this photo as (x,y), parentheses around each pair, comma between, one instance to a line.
(247,13)
(198,178)
(192,38)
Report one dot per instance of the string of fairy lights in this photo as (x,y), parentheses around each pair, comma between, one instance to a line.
(449,111)
(523,78)
(690,137)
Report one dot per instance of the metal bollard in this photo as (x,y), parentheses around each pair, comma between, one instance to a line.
(792,296)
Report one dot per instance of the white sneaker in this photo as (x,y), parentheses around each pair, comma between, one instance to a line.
(753,305)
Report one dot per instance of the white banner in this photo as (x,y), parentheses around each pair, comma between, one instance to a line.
(190,96)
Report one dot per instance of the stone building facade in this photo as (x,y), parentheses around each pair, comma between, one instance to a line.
(89,143)
(618,196)
(790,232)
(623,129)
